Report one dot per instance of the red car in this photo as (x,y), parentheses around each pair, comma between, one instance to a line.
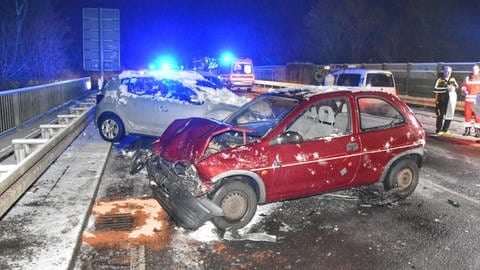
(282,145)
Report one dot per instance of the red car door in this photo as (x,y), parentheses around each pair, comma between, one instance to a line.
(327,159)
(384,129)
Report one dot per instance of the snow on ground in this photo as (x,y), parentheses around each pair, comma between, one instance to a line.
(46,221)
(208,231)
(186,243)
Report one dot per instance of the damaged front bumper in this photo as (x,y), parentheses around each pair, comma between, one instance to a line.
(175,192)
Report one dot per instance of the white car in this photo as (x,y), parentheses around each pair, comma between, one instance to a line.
(146,102)
(372,79)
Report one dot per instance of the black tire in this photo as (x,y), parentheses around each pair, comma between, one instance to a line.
(111,128)
(403,175)
(317,77)
(139,161)
(238,201)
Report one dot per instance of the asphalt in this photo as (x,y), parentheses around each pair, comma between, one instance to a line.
(427,117)
(42,230)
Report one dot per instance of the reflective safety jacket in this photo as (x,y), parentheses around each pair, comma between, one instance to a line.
(442,83)
(471,87)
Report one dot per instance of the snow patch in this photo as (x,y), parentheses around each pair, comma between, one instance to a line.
(205,233)
(301,157)
(208,232)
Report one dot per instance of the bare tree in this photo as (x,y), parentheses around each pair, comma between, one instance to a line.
(343,31)
(382,31)
(32,43)
(11,39)
(47,43)
(324,32)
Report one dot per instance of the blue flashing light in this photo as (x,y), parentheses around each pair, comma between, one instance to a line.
(165,62)
(166,66)
(226,58)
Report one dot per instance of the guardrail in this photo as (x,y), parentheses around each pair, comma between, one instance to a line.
(20,105)
(412,79)
(36,152)
(419,101)
(272,84)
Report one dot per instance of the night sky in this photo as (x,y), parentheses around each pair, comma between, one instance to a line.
(250,28)
(187,29)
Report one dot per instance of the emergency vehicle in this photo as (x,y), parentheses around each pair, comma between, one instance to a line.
(238,75)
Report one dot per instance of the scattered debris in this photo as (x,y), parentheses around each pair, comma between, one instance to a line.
(342,196)
(261,237)
(362,213)
(373,195)
(453,203)
(285,228)
(376,195)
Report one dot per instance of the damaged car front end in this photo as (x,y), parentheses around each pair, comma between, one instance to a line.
(177,186)
(179,190)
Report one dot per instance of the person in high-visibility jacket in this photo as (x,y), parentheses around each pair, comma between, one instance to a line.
(445,100)
(470,89)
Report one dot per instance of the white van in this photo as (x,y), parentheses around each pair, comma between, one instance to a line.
(381,80)
(238,75)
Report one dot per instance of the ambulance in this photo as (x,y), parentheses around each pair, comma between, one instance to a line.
(238,75)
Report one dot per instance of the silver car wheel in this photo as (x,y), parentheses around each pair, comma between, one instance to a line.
(110,128)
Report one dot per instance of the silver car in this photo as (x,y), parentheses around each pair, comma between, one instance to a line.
(146,102)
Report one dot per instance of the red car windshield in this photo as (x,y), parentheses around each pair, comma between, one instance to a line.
(262,113)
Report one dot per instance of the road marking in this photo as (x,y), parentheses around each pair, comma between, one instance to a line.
(137,258)
(444,189)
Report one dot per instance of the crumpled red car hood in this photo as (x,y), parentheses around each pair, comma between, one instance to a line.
(187,139)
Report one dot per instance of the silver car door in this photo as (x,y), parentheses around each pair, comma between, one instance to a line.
(139,108)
